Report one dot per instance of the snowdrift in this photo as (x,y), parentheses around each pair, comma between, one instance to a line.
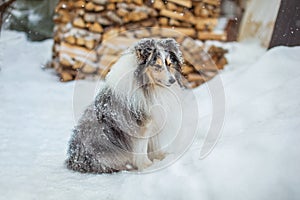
(257,156)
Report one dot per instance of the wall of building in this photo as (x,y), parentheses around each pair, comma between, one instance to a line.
(259,21)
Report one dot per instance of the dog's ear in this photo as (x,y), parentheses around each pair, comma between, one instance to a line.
(176,58)
(180,79)
(143,50)
(173,47)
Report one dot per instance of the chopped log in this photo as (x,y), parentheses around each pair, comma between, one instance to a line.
(192,85)
(126,6)
(173,22)
(185,3)
(192,77)
(137,16)
(89,17)
(114,17)
(221,63)
(204,35)
(79,22)
(88,25)
(70,39)
(187,31)
(198,6)
(167,32)
(202,12)
(163,21)
(156,31)
(122,12)
(138,2)
(217,54)
(139,9)
(64,16)
(214,50)
(59,6)
(99,8)
(111,6)
(187,69)
(159,5)
(65,76)
(189,45)
(90,44)
(180,9)
(119,43)
(96,27)
(116,1)
(78,32)
(79,4)
(89,69)
(206,24)
(212,2)
(100,2)
(189,15)
(90,6)
(179,16)
(131,26)
(65,62)
(186,25)
(110,33)
(76,51)
(171,6)
(103,20)
(149,23)
(77,65)
(79,12)
(80,41)
(143,33)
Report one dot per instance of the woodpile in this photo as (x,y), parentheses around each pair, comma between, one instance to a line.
(201,65)
(90,35)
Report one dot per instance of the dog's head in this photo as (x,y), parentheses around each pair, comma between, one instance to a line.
(159,62)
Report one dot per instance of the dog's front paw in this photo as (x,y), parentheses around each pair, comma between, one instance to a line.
(142,162)
(158,155)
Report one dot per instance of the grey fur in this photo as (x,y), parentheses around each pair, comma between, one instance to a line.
(102,141)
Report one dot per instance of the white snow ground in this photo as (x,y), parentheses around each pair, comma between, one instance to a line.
(257,156)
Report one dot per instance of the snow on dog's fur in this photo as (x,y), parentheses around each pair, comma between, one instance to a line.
(119,131)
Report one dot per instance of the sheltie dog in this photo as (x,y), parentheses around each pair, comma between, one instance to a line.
(120,129)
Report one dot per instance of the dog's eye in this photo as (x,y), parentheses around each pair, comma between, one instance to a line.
(173,58)
(168,62)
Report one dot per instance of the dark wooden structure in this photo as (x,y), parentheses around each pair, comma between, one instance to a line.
(287,27)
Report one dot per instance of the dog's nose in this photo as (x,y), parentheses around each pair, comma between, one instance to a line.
(172,80)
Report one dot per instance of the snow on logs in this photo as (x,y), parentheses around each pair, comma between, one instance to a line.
(82,25)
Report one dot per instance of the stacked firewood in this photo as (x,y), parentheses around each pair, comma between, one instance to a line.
(202,61)
(90,35)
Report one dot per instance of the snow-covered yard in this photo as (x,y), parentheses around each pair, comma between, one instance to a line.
(257,156)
